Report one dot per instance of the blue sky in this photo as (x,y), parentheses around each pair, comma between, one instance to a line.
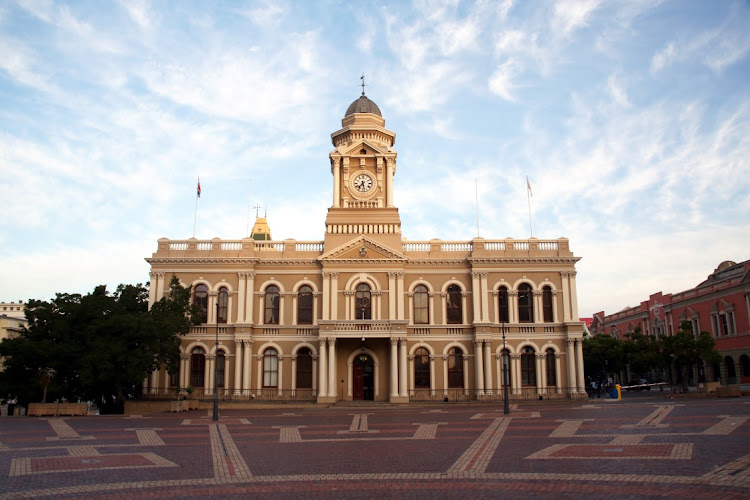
(631,120)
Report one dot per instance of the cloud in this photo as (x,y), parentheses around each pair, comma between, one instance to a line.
(570,15)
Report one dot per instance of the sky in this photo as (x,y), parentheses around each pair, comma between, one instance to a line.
(631,121)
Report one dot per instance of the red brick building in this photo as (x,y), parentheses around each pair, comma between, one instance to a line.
(719,305)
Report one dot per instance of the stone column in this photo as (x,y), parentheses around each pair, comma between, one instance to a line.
(478,368)
(208,385)
(247,358)
(466,375)
(394,368)
(184,370)
(242,277)
(153,277)
(476,303)
(515,364)
(579,365)
(565,276)
(513,306)
(403,375)
(160,287)
(487,367)
(249,298)
(537,301)
(571,360)
(332,367)
(484,296)
(323,366)
(541,371)
(335,168)
(400,295)
(237,367)
(558,375)
(390,167)
(334,295)
(432,375)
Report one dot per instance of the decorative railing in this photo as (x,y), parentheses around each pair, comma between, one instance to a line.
(249,246)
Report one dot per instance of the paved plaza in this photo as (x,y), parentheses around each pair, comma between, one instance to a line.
(640,447)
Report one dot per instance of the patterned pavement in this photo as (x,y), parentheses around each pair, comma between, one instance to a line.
(637,448)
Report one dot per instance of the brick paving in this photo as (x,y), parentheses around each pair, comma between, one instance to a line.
(637,448)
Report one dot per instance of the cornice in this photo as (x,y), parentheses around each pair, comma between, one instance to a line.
(202,260)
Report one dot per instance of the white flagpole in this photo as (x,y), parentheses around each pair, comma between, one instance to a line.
(197,195)
(476,194)
(249,193)
(528,199)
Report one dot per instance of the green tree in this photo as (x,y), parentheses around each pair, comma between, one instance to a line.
(642,352)
(683,350)
(602,354)
(100,345)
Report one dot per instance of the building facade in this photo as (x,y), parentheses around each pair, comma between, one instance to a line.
(366,314)
(719,305)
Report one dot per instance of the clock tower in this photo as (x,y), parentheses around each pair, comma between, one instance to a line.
(363,164)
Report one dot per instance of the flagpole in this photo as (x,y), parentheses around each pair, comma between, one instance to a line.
(476,194)
(528,199)
(197,196)
(249,194)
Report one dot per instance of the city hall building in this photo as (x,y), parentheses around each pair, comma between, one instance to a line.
(366,314)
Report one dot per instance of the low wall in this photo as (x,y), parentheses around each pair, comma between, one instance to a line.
(56,409)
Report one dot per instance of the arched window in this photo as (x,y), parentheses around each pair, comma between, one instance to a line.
(547,304)
(200,299)
(421,305)
(305,305)
(550,364)
(525,303)
(528,366)
(223,304)
(220,365)
(304,368)
(455,368)
(502,305)
(270,367)
(454,309)
(506,372)
(422,368)
(197,367)
(271,316)
(363,304)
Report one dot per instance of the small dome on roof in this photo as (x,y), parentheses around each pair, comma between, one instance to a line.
(363,105)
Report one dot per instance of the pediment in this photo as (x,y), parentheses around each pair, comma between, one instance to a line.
(373,148)
(362,249)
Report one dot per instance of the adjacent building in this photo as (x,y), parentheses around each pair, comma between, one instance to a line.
(366,314)
(719,305)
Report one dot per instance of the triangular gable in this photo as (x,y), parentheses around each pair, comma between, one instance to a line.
(362,249)
(356,146)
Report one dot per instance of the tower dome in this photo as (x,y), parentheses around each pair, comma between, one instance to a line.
(363,105)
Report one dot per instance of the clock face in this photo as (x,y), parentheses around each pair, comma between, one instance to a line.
(363,183)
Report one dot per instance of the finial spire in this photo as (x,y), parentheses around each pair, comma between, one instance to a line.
(363,83)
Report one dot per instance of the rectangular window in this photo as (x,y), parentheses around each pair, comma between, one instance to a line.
(724,324)
(270,371)
(220,371)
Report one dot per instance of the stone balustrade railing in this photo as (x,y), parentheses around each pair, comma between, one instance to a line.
(418,249)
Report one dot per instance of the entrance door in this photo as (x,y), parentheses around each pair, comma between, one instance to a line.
(364,381)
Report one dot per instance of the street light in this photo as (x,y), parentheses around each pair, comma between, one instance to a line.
(506,405)
(216,368)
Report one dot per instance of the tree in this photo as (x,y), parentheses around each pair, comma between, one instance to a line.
(641,351)
(100,345)
(683,350)
(602,354)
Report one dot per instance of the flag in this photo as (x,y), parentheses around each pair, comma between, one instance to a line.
(199,187)
(528,186)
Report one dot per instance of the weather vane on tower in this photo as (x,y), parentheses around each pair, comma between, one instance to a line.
(363,83)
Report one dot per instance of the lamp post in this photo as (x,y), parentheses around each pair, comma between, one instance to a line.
(506,405)
(216,368)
